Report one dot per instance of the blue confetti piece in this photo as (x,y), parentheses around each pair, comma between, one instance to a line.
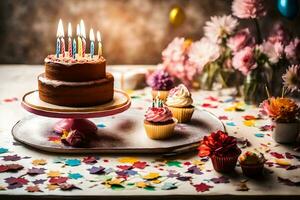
(75,176)
(260,135)
(3,150)
(131,172)
(101,125)
(230,124)
(72,162)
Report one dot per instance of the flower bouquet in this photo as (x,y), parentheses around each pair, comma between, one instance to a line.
(222,149)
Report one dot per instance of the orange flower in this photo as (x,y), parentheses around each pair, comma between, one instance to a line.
(280,109)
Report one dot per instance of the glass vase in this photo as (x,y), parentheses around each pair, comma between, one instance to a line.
(255,87)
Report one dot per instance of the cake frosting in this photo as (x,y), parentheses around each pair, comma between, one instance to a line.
(160,80)
(179,97)
(56,83)
(158,114)
(251,158)
(70,60)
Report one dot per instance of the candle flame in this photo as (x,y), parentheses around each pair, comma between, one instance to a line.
(92,36)
(78,30)
(98,36)
(69,30)
(82,29)
(60,29)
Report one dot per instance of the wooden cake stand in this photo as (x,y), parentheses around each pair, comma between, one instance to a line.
(122,133)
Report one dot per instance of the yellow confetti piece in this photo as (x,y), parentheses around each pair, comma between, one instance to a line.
(141,184)
(53,174)
(249,122)
(52,187)
(151,176)
(116,181)
(65,134)
(232,108)
(2,187)
(282,162)
(39,162)
(198,162)
(156,181)
(128,160)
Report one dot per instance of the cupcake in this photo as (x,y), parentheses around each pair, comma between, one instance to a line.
(222,149)
(252,163)
(159,123)
(180,102)
(161,82)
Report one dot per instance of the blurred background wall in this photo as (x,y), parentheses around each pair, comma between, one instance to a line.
(133,31)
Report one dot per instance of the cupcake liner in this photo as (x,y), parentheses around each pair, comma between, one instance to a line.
(224,163)
(163,94)
(252,170)
(159,132)
(182,114)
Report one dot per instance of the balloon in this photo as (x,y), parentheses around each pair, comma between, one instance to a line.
(288,8)
(176,16)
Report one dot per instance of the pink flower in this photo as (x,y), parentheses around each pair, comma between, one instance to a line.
(219,27)
(291,78)
(244,60)
(274,51)
(176,61)
(240,40)
(279,34)
(203,52)
(292,51)
(248,8)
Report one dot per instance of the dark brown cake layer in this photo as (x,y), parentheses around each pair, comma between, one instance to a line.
(93,93)
(75,72)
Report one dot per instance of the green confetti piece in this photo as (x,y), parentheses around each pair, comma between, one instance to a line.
(174,163)
(117,187)
(149,188)
(230,124)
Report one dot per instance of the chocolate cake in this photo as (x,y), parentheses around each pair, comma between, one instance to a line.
(76,82)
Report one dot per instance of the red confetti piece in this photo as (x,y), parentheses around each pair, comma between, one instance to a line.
(54,138)
(14,180)
(202,187)
(89,160)
(33,188)
(208,105)
(277,155)
(223,118)
(210,98)
(249,117)
(58,180)
(124,167)
(187,163)
(140,165)
(289,155)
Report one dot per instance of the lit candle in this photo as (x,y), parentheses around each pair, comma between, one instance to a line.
(58,35)
(92,39)
(83,36)
(70,39)
(79,41)
(99,44)
(57,47)
(74,48)
(61,35)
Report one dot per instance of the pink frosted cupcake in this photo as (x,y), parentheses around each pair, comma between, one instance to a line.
(159,122)
(180,103)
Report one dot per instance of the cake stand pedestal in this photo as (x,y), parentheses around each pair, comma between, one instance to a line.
(74,118)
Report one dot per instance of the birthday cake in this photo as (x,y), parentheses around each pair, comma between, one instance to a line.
(73,78)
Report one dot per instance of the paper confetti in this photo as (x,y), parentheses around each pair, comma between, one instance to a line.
(3,150)
(72,162)
(202,187)
(39,162)
(127,160)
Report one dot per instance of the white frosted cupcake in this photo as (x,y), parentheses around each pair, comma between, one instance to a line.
(180,103)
